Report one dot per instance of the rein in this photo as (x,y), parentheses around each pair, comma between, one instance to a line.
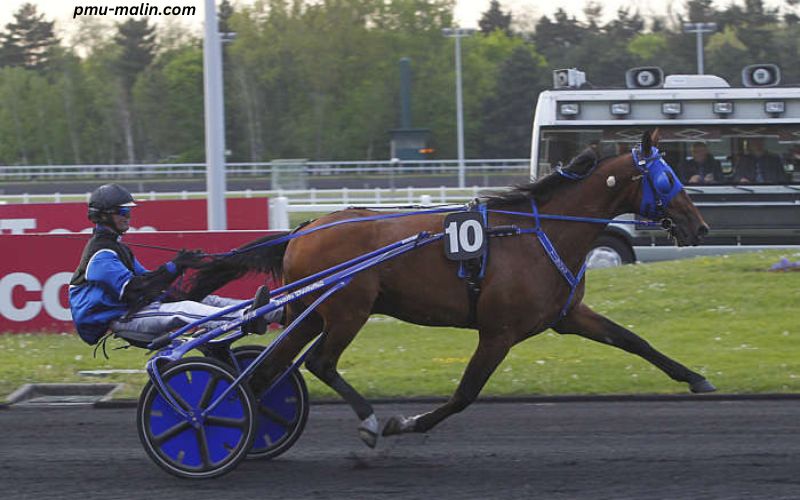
(141,245)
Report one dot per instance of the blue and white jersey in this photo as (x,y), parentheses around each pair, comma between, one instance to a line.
(97,287)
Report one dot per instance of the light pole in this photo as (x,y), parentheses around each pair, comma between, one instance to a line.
(699,28)
(458,34)
(215,122)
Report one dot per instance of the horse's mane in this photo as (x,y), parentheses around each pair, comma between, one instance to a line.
(546,187)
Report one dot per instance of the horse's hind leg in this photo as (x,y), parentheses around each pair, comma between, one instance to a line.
(322,363)
(585,322)
(490,352)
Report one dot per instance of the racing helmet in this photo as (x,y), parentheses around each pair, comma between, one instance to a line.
(107,199)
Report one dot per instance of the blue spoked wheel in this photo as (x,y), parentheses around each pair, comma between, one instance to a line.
(281,412)
(213,445)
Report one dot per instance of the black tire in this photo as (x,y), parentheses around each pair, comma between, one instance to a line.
(609,251)
(279,423)
(211,448)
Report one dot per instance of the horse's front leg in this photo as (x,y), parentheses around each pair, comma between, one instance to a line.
(489,353)
(583,321)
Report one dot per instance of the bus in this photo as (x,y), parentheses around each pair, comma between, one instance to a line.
(736,149)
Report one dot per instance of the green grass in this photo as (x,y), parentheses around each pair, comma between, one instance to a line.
(726,317)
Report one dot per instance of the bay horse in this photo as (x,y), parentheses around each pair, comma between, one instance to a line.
(523,291)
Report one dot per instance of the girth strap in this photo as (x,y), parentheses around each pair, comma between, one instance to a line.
(473,270)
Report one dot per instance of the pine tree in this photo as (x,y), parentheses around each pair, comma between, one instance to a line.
(29,40)
(225,12)
(137,41)
(495,19)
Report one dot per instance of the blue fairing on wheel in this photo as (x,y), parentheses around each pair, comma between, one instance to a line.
(277,413)
(184,446)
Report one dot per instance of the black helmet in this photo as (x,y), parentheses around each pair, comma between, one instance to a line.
(106,199)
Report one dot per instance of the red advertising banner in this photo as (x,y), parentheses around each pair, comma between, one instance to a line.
(158,215)
(35,271)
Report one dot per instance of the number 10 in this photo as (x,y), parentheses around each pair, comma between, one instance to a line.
(460,238)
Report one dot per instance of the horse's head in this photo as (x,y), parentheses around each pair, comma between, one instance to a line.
(660,195)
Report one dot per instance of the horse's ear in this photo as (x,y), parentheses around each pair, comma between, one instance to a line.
(647,142)
(655,137)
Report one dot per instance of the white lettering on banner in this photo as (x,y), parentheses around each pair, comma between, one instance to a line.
(51,294)
(32,308)
(20,226)
(17,226)
(7,308)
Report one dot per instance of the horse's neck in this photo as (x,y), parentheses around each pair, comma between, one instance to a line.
(590,197)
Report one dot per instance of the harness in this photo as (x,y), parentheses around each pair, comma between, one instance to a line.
(660,186)
(473,270)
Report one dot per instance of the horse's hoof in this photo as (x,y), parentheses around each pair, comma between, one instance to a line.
(702,386)
(368,431)
(398,425)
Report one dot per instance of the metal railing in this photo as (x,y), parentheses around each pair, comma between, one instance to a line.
(261,169)
(323,198)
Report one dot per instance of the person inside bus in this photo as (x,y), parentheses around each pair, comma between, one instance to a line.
(759,165)
(112,290)
(701,168)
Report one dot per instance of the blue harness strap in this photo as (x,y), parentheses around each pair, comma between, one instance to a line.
(473,270)
(572,280)
(463,266)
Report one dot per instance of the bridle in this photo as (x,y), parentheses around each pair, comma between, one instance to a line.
(659,184)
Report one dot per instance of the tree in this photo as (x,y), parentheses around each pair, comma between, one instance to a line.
(225,12)
(700,10)
(29,40)
(555,38)
(137,43)
(135,40)
(507,112)
(495,19)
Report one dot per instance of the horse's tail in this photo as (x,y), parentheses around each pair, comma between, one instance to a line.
(254,257)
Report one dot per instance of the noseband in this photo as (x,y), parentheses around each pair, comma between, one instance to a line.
(659,183)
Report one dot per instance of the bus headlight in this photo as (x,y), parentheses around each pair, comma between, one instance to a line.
(620,108)
(671,109)
(723,108)
(569,109)
(774,107)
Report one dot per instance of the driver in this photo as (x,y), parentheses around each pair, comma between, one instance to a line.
(112,290)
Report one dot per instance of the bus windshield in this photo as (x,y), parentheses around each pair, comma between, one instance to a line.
(700,154)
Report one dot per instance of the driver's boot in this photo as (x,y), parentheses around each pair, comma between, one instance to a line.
(258,325)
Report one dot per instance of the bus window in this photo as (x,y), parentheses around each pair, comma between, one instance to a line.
(733,154)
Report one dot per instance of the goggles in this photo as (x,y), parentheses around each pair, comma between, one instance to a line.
(123,211)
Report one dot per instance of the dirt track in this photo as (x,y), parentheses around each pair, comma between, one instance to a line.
(676,450)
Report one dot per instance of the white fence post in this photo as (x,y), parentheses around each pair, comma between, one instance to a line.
(425,199)
(279,213)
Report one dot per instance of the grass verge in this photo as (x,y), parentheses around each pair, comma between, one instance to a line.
(726,317)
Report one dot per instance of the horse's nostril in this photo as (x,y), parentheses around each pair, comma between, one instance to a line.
(702,231)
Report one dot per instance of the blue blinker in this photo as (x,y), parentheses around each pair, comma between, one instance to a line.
(660,184)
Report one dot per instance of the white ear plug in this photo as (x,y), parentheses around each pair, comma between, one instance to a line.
(611,181)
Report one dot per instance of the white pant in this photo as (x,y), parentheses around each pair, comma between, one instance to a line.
(157,318)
